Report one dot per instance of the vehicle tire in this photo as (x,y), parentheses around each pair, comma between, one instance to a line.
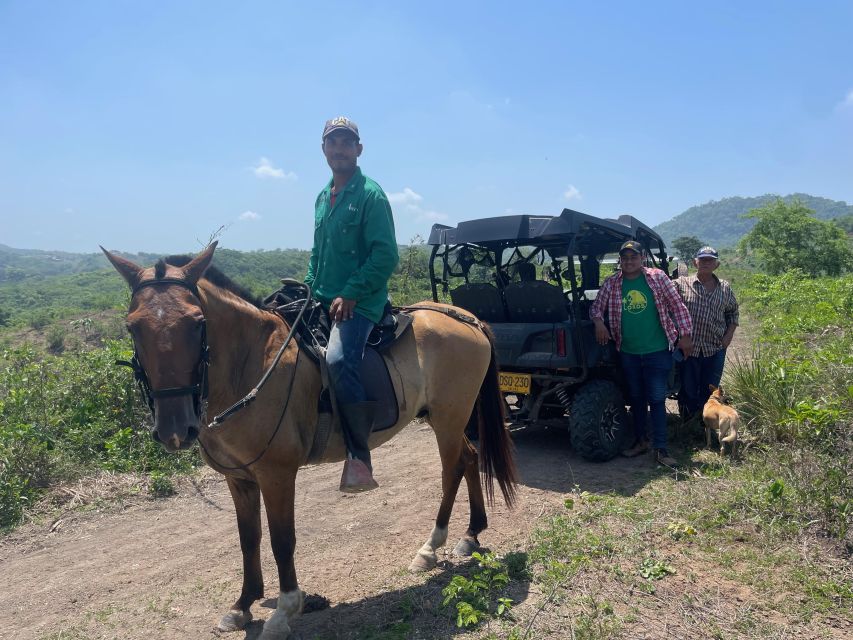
(599,427)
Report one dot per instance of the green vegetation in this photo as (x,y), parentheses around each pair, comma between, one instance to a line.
(686,247)
(64,417)
(846,223)
(721,222)
(788,236)
(796,394)
(478,598)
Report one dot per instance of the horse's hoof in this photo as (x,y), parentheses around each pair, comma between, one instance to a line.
(234,620)
(423,563)
(465,547)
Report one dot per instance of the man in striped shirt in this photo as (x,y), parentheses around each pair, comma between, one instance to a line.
(647,320)
(714,312)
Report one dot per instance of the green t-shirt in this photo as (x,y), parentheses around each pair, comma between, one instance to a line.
(641,329)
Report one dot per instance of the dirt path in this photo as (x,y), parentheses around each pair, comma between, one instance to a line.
(169,568)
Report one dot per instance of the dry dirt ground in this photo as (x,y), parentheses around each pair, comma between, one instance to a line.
(169,568)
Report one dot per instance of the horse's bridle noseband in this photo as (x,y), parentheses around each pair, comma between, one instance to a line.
(198,391)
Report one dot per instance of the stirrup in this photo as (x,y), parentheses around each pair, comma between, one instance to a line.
(356,477)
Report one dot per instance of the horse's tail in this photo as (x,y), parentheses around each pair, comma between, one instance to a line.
(497,460)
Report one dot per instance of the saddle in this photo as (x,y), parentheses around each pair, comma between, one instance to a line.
(314,328)
(312,334)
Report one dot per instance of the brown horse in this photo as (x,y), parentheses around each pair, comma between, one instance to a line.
(449,377)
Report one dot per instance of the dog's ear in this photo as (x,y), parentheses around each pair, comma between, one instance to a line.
(712,388)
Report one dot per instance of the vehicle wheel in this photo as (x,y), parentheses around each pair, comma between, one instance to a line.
(599,427)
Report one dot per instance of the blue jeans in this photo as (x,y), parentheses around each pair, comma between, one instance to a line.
(646,377)
(344,355)
(696,374)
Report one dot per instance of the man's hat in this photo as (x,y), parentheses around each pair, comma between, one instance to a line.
(707,252)
(340,123)
(633,245)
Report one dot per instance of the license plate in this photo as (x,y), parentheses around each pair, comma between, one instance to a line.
(514,382)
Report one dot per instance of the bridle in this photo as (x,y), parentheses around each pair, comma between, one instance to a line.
(198,391)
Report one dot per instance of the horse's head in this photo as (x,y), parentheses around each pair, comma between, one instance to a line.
(166,322)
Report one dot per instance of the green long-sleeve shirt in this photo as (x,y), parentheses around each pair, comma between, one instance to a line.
(355,248)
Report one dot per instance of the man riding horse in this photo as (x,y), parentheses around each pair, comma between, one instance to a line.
(354,255)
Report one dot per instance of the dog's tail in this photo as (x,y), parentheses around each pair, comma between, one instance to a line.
(732,434)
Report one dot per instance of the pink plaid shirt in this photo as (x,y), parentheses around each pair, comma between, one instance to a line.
(671,308)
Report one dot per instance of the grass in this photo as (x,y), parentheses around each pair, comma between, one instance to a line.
(718,554)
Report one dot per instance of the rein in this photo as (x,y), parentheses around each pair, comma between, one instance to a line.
(250,397)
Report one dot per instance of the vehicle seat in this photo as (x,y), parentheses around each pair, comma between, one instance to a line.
(535,301)
(481,299)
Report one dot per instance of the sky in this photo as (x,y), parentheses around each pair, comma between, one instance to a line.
(151,125)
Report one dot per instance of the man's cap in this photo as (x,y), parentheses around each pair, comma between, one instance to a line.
(633,245)
(707,252)
(341,123)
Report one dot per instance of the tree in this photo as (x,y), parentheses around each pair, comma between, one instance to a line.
(788,236)
(687,246)
(410,283)
(845,222)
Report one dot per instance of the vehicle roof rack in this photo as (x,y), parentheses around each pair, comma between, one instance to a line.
(585,233)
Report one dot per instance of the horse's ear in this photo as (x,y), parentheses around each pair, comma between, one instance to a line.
(197,266)
(129,271)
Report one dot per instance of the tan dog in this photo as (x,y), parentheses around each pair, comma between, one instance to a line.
(722,418)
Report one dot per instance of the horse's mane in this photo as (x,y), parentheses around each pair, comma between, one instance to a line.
(212,275)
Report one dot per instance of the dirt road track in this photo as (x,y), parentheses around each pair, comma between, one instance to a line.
(167,569)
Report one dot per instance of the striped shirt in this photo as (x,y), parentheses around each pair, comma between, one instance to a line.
(712,312)
(674,316)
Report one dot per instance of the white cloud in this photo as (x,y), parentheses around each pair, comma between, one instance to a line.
(572,193)
(847,103)
(433,216)
(406,197)
(249,216)
(264,169)
(408,202)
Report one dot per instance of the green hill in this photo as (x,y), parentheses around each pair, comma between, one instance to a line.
(17,265)
(719,222)
(41,287)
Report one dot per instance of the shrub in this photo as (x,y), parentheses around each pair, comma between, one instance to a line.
(64,416)
(796,390)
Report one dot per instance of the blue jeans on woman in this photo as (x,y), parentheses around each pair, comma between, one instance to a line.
(344,355)
(646,378)
(697,372)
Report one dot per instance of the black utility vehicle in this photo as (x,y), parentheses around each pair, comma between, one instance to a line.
(533,279)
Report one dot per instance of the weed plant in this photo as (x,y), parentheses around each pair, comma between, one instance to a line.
(62,417)
(795,392)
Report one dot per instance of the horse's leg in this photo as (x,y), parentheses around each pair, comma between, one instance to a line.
(477,520)
(278,494)
(247,504)
(453,465)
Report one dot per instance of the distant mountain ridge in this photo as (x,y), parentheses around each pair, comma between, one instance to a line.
(20,264)
(719,222)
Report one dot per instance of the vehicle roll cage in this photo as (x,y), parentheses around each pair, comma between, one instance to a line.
(554,239)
